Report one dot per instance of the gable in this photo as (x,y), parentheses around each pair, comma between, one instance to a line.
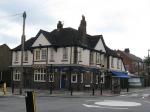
(100,46)
(41,40)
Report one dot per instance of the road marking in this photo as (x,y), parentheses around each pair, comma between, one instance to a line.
(147,101)
(95,106)
(117,103)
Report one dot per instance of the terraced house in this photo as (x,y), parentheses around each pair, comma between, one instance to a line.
(67,57)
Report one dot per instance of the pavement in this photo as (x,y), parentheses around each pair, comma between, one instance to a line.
(66,93)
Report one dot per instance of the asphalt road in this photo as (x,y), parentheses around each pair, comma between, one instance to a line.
(134,102)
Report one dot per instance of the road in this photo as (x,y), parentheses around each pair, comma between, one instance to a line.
(133,102)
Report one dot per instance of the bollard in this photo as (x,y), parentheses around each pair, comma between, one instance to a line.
(93,91)
(71,90)
(4,88)
(30,101)
(101,89)
(51,89)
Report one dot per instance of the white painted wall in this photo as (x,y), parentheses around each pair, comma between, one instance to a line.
(29,62)
(41,40)
(121,66)
(85,56)
(100,46)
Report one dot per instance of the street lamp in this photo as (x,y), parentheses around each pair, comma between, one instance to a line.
(148,66)
(22,53)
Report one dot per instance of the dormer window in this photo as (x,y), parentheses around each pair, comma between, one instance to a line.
(43,54)
(37,54)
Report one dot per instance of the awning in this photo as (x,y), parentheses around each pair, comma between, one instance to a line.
(120,74)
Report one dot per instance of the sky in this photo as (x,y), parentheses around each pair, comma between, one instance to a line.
(123,23)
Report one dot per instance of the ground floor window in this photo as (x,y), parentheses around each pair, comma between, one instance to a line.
(16,75)
(39,75)
(74,78)
(51,77)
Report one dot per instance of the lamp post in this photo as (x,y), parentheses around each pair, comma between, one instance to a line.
(22,53)
(148,66)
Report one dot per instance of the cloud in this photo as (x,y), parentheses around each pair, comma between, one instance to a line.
(123,23)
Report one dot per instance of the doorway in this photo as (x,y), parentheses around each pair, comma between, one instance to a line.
(63,81)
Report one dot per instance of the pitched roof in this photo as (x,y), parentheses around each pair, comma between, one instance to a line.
(64,37)
(27,44)
(109,51)
(131,56)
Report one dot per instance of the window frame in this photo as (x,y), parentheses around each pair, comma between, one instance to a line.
(65,53)
(37,54)
(43,54)
(76,80)
(25,56)
(16,56)
(39,75)
(16,75)
(51,74)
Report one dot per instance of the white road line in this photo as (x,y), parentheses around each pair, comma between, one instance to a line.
(95,106)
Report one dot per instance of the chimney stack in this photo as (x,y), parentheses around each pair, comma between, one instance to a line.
(82,27)
(127,50)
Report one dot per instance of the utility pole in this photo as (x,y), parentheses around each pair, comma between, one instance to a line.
(148,68)
(22,53)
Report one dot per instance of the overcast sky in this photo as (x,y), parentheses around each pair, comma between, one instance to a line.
(123,23)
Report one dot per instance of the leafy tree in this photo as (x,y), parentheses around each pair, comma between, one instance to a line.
(147,61)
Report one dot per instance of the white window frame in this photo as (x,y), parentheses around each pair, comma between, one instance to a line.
(72,81)
(98,58)
(16,56)
(43,54)
(51,74)
(118,63)
(102,59)
(39,75)
(65,53)
(37,54)
(112,62)
(25,56)
(80,55)
(16,75)
(92,57)
(51,54)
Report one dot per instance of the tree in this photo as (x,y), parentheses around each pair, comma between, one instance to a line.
(147,61)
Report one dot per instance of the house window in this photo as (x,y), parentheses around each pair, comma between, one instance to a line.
(98,58)
(65,53)
(51,54)
(43,54)
(102,59)
(16,75)
(92,58)
(26,56)
(118,63)
(37,54)
(16,56)
(39,75)
(80,54)
(51,77)
(74,78)
(112,62)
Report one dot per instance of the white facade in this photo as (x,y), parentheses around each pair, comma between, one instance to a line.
(41,40)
